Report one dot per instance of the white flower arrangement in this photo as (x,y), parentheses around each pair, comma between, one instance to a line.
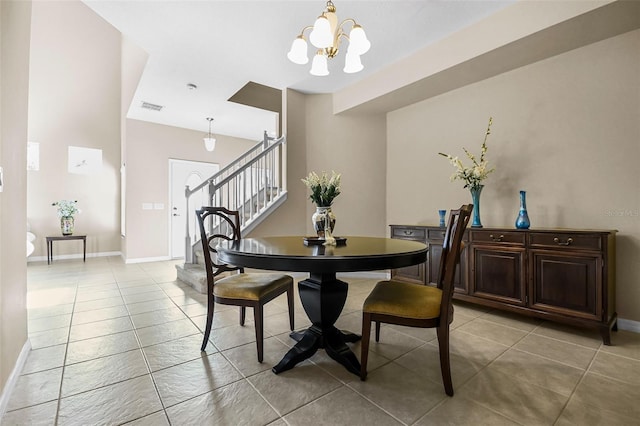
(66,208)
(324,189)
(473,175)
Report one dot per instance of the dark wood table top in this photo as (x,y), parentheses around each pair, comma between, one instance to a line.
(66,237)
(289,253)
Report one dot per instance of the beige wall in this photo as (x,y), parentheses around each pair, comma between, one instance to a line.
(74,100)
(15,25)
(288,219)
(566,130)
(354,146)
(149,148)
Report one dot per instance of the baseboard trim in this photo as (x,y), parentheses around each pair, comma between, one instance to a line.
(147,259)
(73,256)
(13,377)
(628,325)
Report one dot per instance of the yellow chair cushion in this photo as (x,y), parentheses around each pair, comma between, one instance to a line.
(404,300)
(253,286)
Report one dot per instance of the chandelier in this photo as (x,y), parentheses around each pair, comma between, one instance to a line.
(326,37)
(209,140)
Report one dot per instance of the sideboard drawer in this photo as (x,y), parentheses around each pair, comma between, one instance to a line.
(498,236)
(572,240)
(408,233)
(436,234)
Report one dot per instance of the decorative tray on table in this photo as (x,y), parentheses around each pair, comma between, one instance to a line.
(317,241)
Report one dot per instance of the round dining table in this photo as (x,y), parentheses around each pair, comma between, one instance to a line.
(322,295)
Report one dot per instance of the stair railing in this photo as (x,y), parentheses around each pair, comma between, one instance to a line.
(250,184)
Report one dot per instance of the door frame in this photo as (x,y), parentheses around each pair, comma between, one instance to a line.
(170,178)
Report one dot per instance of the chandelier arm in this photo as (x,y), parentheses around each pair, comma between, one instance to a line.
(340,32)
(353,22)
(308,27)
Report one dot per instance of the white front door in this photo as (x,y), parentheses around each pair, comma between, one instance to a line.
(181,174)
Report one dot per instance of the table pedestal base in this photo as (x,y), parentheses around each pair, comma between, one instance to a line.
(323,297)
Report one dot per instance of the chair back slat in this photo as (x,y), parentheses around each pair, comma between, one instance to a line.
(451,249)
(231,220)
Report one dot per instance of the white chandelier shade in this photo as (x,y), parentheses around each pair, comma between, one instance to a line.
(326,35)
(298,52)
(352,63)
(321,36)
(319,66)
(358,40)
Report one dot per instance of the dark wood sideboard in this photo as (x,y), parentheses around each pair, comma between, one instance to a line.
(562,275)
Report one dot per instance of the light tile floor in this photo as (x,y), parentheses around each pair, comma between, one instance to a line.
(115,343)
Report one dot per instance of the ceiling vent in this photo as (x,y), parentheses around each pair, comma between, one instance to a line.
(152,107)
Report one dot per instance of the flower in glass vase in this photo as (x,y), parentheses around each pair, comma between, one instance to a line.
(324,188)
(473,174)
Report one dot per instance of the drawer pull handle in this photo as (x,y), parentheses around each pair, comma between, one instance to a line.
(560,243)
(408,232)
(496,239)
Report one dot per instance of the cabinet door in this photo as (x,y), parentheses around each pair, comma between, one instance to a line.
(433,267)
(413,273)
(567,283)
(498,273)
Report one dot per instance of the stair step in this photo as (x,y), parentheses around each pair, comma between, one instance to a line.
(196,276)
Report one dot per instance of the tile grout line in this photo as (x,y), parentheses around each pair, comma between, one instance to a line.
(485,367)
(582,377)
(66,351)
(144,356)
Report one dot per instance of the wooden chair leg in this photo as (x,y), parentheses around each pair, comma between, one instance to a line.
(364,345)
(445,363)
(207,330)
(290,296)
(243,314)
(257,318)
(377,331)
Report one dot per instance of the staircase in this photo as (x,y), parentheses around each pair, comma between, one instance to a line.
(254,184)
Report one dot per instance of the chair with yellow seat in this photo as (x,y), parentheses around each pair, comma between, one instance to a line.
(240,289)
(413,305)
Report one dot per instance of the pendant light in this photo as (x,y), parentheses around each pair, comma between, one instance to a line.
(209,140)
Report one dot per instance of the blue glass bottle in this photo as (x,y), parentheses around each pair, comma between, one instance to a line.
(522,222)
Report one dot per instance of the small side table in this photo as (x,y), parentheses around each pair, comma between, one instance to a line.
(50,241)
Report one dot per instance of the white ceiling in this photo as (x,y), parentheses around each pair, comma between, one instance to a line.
(221,45)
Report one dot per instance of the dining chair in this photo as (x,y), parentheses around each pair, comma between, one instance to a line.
(241,289)
(414,305)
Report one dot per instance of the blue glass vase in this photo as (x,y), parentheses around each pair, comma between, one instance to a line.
(475,199)
(522,222)
(442,214)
